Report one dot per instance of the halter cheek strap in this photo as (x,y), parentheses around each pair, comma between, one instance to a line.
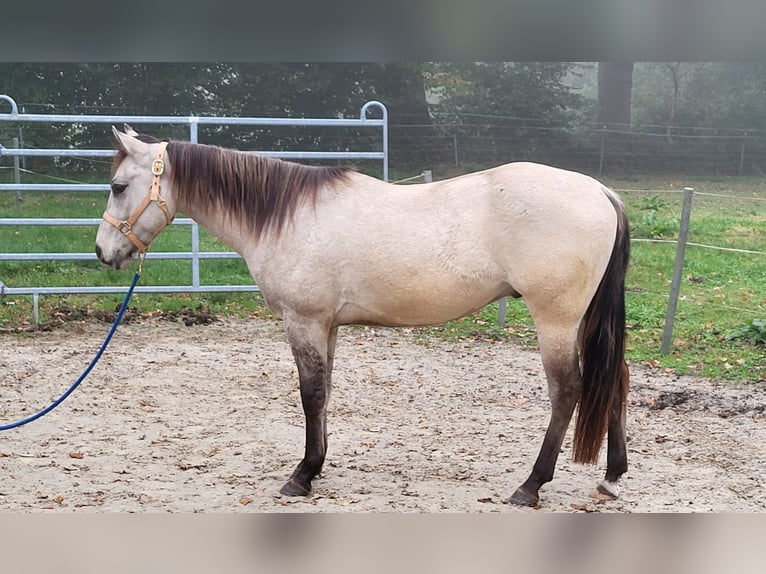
(126,226)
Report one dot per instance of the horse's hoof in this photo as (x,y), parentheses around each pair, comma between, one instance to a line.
(606,490)
(523,498)
(292,488)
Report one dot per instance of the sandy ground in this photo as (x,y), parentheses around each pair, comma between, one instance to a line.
(207,418)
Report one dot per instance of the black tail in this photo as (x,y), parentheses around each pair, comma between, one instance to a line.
(602,349)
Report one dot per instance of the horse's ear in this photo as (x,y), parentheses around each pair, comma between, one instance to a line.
(127,142)
(129,130)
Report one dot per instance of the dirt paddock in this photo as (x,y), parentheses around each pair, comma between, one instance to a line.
(207,418)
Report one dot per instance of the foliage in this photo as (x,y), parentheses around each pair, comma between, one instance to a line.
(754,332)
(654,220)
(439,112)
(532,90)
(213,89)
(709,94)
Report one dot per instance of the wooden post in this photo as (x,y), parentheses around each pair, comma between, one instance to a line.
(454,142)
(742,155)
(675,285)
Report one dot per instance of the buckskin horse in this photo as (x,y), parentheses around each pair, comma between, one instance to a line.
(329,246)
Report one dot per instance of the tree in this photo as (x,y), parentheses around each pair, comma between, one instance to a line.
(615,84)
(221,89)
(490,112)
(532,90)
(701,94)
(659,91)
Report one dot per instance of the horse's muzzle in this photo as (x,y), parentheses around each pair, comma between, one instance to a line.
(119,261)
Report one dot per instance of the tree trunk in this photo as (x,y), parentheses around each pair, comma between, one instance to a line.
(615,83)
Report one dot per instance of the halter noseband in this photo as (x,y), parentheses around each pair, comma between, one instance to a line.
(126,226)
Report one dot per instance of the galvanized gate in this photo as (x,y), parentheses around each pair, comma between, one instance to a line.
(193,123)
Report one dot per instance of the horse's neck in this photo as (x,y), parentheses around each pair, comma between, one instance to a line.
(229,232)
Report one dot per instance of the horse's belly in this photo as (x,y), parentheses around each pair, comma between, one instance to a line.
(407,307)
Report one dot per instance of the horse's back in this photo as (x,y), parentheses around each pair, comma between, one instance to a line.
(520,218)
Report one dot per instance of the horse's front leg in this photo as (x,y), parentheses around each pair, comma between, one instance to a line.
(313,348)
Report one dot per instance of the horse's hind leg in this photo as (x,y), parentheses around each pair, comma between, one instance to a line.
(617,451)
(560,361)
(313,347)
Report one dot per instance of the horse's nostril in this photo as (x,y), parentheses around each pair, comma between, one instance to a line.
(98,252)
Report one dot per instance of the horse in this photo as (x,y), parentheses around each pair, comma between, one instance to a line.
(330,246)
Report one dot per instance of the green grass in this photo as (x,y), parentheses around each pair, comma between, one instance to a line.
(721,292)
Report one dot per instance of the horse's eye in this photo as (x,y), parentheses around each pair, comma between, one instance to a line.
(118,187)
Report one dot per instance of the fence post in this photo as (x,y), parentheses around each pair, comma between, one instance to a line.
(601,151)
(21,140)
(675,285)
(502,311)
(742,154)
(17,175)
(36,310)
(194,138)
(454,142)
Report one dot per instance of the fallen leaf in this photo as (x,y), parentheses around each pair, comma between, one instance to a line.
(58,499)
(245,500)
(76,454)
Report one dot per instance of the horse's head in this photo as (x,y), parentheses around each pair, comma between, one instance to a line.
(136,211)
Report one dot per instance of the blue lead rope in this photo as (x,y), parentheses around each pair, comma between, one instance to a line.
(92,364)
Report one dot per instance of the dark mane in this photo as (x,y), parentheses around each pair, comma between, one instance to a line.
(261,192)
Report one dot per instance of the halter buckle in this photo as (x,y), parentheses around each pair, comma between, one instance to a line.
(125,227)
(158,167)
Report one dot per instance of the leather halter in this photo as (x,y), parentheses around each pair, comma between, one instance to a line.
(126,226)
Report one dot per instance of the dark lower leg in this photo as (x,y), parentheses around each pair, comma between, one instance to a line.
(564,390)
(542,471)
(617,454)
(617,450)
(312,374)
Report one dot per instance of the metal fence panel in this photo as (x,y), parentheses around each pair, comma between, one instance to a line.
(195,255)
